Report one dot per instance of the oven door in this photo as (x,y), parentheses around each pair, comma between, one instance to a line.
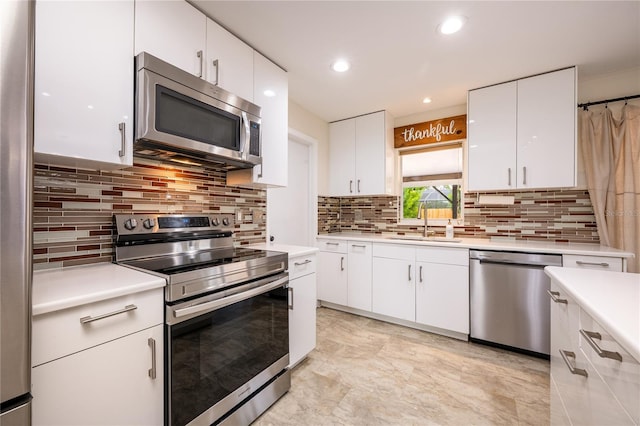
(223,348)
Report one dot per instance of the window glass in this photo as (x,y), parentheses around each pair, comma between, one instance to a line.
(432,184)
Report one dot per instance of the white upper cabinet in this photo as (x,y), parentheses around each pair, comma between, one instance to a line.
(546,148)
(174,31)
(83,101)
(342,157)
(361,155)
(522,134)
(271,93)
(492,135)
(229,61)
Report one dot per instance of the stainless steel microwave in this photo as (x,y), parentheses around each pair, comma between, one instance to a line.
(180,117)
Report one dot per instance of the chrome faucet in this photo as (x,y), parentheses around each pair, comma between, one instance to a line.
(422,210)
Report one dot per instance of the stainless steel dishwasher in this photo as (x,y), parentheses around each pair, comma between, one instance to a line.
(509,304)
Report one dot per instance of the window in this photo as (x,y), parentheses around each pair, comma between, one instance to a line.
(432,181)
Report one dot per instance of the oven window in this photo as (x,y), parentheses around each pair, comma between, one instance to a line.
(215,354)
(183,116)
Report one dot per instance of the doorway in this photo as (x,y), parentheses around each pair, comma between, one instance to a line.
(292,210)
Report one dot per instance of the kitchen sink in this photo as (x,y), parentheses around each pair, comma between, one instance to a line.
(420,238)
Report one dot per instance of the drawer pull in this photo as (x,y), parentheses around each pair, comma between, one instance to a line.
(589,336)
(358,245)
(582,263)
(152,370)
(568,354)
(302,263)
(332,244)
(554,296)
(86,320)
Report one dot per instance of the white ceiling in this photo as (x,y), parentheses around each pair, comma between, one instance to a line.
(398,58)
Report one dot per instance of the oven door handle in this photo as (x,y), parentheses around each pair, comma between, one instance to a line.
(229,300)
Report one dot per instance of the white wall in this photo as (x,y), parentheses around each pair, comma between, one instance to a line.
(613,85)
(313,126)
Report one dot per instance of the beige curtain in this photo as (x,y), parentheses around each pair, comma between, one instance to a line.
(610,149)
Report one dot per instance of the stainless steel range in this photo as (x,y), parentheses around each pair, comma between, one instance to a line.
(226,315)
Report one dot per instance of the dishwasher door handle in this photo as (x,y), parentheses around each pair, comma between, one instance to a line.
(512,263)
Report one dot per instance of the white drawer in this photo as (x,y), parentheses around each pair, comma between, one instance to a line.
(392,251)
(61,333)
(622,376)
(445,255)
(301,266)
(602,263)
(332,245)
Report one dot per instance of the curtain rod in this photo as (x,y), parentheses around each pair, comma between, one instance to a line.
(586,105)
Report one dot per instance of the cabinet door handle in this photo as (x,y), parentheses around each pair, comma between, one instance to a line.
(302,263)
(509,176)
(199,55)
(554,296)
(350,187)
(409,272)
(342,263)
(589,336)
(216,64)
(291,294)
(88,319)
(123,139)
(572,368)
(420,272)
(581,263)
(358,186)
(524,175)
(152,371)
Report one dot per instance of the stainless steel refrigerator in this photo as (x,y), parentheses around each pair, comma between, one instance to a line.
(16,151)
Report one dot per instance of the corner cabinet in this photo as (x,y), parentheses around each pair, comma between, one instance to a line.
(100,363)
(361,156)
(522,134)
(83,101)
(271,92)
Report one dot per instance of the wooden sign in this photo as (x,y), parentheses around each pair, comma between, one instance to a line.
(430,132)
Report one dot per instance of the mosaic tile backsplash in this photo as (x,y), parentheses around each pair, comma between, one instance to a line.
(549,215)
(73,208)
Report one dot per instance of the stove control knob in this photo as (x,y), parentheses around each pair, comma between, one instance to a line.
(215,221)
(225,221)
(130,224)
(149,223)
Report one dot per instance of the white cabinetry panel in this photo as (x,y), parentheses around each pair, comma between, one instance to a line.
(173,31)
(492,135)
(107,384)
(332,277)
(83,102)
(342,157)
(359,275)
(302,314)
(229,61)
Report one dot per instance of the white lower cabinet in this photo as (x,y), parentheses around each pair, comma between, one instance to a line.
(586,395)
(109,384)
(302,307)
(394,288)
(442,288)
(359,275)
(101,363)
(332,277)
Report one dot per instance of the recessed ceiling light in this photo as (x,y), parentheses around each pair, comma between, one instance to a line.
(426,101)
(340,65)
(451,25)
(269,93)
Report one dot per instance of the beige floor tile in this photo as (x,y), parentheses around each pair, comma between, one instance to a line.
(368,372)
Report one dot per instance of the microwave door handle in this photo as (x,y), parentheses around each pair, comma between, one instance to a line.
(247,139)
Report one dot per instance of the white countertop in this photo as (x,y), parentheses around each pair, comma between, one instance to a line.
(294,251)
(486,244)
(611,298)
(56,289)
